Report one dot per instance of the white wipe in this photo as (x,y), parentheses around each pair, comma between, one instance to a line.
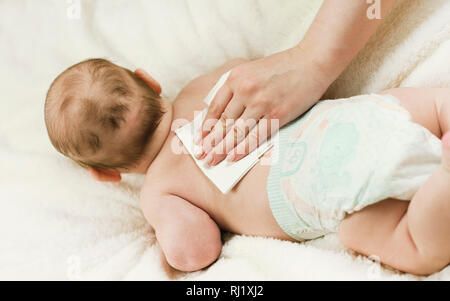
(224,175)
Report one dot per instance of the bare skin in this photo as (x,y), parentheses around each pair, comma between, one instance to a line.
(275,87)
(187,211)
(183,205)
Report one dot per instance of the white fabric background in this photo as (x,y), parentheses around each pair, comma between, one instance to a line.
(57,223)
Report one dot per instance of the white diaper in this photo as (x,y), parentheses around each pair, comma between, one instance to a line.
(344,155)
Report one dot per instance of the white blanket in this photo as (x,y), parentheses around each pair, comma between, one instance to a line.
(57,223)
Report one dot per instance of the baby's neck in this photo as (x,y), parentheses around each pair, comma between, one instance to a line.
(159,136)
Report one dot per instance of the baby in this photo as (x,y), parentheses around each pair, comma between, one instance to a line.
(113,121)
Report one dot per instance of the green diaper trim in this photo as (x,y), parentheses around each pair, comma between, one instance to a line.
(282,210)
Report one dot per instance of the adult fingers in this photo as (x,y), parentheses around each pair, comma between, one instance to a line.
(215,110)
(239,130)
(258,135)
(232,112)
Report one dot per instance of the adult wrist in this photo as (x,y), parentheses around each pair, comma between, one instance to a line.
(327,63)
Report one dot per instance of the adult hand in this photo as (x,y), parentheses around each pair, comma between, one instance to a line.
(258,98)
(284,85)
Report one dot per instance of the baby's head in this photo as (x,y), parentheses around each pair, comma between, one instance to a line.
(102,116)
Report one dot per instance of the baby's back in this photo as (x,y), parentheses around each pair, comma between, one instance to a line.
(245,209)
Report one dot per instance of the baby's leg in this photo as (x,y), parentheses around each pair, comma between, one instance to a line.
(411,236)
(428,215)
(429,107)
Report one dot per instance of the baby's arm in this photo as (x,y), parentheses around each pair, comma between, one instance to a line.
(189,238)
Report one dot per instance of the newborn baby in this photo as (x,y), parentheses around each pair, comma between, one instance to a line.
(112,121)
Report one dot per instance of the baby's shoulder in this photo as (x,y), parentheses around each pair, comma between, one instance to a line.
(159,174)
(154,187)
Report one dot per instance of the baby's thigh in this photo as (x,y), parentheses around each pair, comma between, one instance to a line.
(367,230)
(421,103)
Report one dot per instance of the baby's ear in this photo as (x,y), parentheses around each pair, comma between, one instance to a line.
(149,80)
(104,175)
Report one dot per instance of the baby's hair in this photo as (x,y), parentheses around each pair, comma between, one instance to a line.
(88,103)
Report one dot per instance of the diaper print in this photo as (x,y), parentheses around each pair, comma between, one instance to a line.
(338,163)
(294,156)
(337,150)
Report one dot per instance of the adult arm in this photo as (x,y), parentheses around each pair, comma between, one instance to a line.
(284,85)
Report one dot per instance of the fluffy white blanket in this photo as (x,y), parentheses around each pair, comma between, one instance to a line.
(57,223)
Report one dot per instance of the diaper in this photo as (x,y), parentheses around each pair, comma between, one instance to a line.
(344,155)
